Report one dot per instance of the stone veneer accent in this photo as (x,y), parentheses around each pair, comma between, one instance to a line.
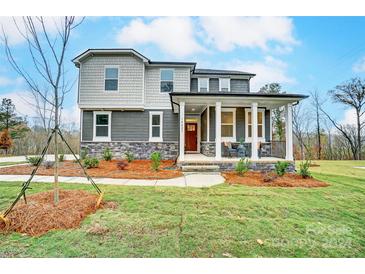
(207,148)
(141,150)
(257,166)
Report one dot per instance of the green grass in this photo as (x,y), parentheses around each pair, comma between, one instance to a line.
(12,163)
(210,222)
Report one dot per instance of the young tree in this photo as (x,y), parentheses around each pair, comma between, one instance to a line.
(9,120)
(352,94)
(277,114)
(47,76)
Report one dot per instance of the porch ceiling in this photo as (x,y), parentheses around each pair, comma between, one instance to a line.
(269,101)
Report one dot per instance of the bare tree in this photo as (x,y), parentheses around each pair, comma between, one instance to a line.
(352,94)
(317,102)
(46,79)
(301,127)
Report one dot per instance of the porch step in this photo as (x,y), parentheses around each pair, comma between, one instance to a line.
(200,168)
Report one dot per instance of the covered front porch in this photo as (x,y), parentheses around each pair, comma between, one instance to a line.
(225,128)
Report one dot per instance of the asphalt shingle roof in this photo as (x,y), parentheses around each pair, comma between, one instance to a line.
(220,71)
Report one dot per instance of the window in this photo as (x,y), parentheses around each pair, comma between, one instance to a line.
(156,126)
(102,126)
(260,125)
(111,79)
(228,124)
(167,80)
(224,84)
(203,84)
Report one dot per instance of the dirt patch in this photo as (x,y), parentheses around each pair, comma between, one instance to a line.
(252,178)
(39,215)
(138,169)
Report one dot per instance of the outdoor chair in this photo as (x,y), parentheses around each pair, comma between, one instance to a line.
(229,150)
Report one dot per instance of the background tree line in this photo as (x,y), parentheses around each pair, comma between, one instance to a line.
(317,133)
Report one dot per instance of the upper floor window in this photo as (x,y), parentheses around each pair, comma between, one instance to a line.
(167,80)
(203,84)
(224,84)
(102,128)
(111,79)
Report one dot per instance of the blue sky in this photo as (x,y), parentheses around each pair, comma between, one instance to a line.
(301,53)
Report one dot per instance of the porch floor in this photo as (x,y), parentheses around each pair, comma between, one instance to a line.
(200,158)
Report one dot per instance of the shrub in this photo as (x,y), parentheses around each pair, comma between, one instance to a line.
(61,157)
(280,168)
(156,160)
(304,169)
(107,154)
(242,166)
(121,165)
(48,164)
(84,153)
(90,162)
(129,156)
(33,160)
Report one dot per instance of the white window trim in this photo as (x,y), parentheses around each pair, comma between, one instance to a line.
(260,139)
(156,139)
(173,79)
(229,84)
(205,79)
(111,66)
(233,138)
(98,138)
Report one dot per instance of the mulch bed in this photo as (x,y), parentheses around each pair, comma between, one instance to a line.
(252,178)
(137,169)
(40,215)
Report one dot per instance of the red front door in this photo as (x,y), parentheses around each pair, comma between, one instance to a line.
(191,136)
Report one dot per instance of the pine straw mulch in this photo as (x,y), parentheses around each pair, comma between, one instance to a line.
(254,178)
(137,169)
(39,215)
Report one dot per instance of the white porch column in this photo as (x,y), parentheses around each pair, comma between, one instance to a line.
(254,148)
(218,136)
(182,131)
(289,132)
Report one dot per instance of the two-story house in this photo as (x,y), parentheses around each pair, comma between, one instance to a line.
(130,103)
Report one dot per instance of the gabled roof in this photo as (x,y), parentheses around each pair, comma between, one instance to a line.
(90,52)
(223,72)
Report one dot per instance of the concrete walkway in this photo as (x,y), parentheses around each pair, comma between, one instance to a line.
(188,180)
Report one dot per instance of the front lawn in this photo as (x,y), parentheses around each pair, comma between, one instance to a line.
(222,221)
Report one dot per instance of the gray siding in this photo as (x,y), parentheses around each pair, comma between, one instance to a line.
(212,124)
(267,125)
(153,97)
(237,85)
(132,126)
(87,125)
(240,123)
(203,127)
(130,84)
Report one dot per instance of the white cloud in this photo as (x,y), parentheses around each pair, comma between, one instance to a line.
(6,81)
(227,33)
(11,28)
(359,66)
(173,35)
(349,118)
(267,71)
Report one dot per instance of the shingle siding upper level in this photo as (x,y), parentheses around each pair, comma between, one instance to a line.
(139,80)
